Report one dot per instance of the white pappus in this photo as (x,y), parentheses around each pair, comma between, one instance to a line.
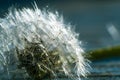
(35,25)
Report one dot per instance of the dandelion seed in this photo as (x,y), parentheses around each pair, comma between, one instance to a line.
(41,43)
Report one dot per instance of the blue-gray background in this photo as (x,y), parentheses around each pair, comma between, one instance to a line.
(90,17)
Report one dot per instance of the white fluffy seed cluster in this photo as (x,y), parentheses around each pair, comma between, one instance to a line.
(35,25)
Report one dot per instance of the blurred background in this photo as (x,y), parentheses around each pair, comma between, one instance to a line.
(97,21)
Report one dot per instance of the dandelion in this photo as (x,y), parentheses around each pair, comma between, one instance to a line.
(41,44)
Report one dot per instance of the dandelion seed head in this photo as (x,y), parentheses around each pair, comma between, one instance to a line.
(20,28)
